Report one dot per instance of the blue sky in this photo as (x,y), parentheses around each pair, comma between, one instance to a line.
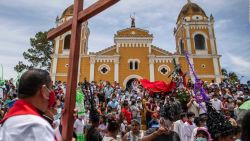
(21,19)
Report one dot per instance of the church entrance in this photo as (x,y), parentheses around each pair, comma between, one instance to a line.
(129,83)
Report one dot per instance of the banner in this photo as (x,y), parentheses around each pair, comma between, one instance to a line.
(158,86)
(80,102)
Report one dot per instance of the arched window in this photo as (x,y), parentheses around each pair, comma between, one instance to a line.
(131,65)
(67,42)
(199,42)
(136,65)
(181,47)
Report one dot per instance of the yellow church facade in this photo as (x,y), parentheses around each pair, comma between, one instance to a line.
(133,56)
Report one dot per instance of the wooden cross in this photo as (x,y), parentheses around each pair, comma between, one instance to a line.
(79,16)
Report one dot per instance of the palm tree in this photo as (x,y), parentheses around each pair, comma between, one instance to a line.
(233,77)
(224,72)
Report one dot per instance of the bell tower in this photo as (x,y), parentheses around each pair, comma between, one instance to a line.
(194,33)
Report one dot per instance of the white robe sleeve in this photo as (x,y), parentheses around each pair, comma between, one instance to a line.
(26,128)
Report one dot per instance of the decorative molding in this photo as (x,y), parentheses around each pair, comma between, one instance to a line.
(102,66)
(134,60)
(164,66)
(161,50)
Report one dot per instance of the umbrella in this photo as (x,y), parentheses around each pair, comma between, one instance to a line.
(245,105)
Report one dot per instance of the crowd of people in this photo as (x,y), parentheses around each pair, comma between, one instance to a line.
(107,112)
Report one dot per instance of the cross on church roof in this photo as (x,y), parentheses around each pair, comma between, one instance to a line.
(189,1)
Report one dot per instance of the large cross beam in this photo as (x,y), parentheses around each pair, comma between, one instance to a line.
(74,24)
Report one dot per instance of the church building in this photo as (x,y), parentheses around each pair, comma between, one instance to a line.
(133,56)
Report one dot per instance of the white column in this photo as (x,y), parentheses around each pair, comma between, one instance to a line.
(117,47)
(216,70)
(92,69)
(151,68)
(54,67)
(79,69)
(116,68)
(188,39)
(211,36)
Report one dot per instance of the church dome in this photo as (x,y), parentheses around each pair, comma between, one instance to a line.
(68,11)
(191,9)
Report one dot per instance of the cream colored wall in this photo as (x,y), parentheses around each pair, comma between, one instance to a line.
(107,77)
(133,53)
(159,76)
(85,68)
(61,68)
(208,70)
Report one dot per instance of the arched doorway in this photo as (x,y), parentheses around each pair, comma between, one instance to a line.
(129,79)
(129,83)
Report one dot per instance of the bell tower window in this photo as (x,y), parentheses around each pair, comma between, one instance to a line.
(199,42)
(67,42)
(181,47)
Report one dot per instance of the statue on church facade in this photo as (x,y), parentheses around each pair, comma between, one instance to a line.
(132,21)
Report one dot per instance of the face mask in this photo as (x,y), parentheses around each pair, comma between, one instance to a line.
(201,139)
(52,98)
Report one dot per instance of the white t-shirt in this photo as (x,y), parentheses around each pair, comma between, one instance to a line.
(216,104)
(26,128)
(108,139)
(78,125)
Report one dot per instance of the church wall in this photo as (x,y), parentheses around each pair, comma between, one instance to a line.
(184,64)
(61,65)
(61,78)
(180,35)
(107,77)
(209,66)
(60,46)
(157,53)
(111,52)
(128,32)
(159,76)
(219,66)
(84,70)
(133,53)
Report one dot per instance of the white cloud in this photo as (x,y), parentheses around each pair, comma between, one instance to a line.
(241,64)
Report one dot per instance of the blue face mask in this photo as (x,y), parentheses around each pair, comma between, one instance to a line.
(201,139)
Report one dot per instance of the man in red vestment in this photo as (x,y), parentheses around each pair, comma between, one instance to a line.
(24,121)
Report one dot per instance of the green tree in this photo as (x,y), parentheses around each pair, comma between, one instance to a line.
(20,67)
(224,72)
(39,55)
(231,76)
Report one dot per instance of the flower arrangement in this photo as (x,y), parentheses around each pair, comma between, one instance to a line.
(182,94)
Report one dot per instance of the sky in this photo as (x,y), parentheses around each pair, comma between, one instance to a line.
(22,19)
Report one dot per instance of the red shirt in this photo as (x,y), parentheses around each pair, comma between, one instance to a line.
(127,114)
